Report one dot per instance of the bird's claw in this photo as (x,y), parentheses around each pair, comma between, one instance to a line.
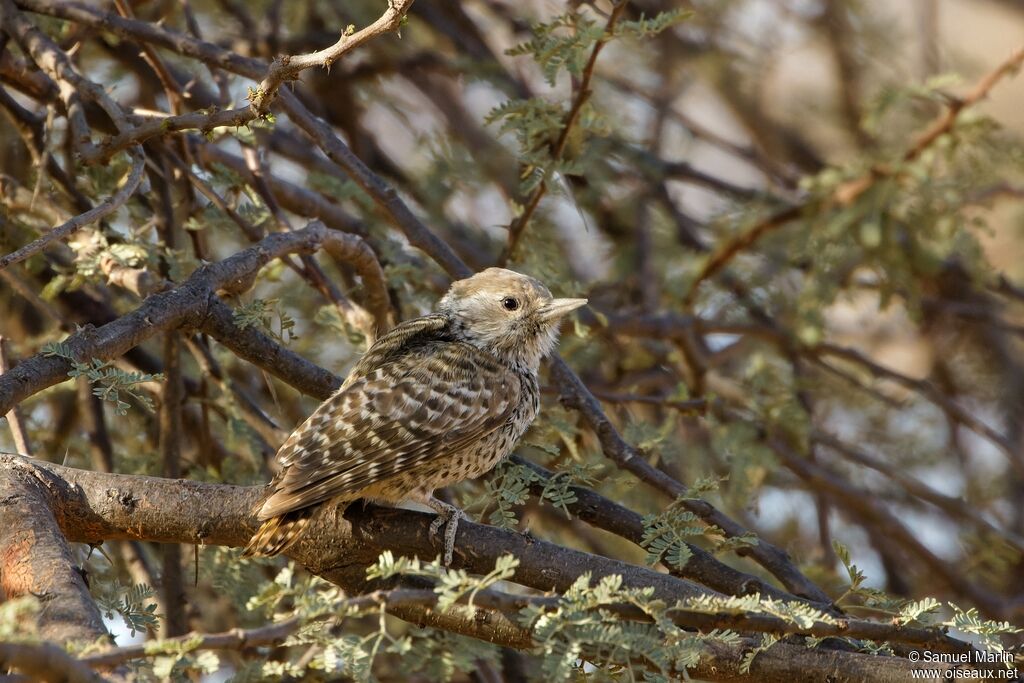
(448,516)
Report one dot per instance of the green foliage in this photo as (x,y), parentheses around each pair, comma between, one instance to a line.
(647,27)
(861,596)
(766,641)
(903,611)
(916,610)
(579,632)
(665,536)
(565,42)
(562,44)
(261,313)
(800,614)
(988,631)
(506,488)
(133,605)
(558,488)
(236,582)
(328,619)
(452,584)
(535,124)
(178,660)
(856,575)
(108,381)
(440,656)
(891,100)
(509,485)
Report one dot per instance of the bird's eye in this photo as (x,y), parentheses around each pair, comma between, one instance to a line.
(510,303)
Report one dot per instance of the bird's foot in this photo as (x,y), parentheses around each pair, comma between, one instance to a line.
(448,516)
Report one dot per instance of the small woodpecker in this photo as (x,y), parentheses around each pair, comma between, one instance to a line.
(436,400)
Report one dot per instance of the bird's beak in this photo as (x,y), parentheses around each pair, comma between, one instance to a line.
(559,308)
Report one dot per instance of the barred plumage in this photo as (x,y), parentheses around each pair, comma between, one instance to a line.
(438,399)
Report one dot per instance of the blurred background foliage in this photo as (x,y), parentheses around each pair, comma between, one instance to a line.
(848,382)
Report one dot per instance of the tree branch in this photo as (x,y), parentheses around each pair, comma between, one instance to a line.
(35,559)
(282,69)
(93,506)
(97,506)
(288,68)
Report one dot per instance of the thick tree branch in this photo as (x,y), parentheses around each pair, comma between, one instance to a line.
(93,506)
(35,559)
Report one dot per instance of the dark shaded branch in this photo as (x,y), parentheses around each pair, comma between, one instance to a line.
(598,511)
(252,345)
(772,558)
(51,58)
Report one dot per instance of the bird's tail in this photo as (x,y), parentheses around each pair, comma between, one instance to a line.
(277,534)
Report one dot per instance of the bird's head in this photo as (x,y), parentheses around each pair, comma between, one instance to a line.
(507,314)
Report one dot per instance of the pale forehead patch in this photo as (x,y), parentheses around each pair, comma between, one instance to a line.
(500,282)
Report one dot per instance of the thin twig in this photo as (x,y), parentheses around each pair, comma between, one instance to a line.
(15,420)
(288,68)
(583,92)
(282,70)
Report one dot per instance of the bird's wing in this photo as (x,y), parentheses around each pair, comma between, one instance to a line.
(415,406)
